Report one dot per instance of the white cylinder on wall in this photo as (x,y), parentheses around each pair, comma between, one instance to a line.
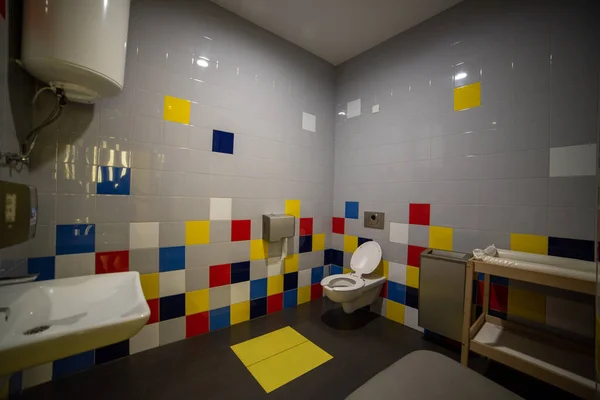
(77,45)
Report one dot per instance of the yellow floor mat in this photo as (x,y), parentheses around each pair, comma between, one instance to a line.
(265,346)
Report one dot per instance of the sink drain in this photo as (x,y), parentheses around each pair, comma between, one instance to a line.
(37,329)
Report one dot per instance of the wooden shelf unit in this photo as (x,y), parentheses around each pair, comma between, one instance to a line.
(561,362)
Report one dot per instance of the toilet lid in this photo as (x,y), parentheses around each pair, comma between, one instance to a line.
(366,258)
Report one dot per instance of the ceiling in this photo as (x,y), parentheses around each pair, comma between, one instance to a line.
(336,30)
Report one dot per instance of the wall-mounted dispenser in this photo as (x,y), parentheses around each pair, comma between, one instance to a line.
(18,213)
(278,226)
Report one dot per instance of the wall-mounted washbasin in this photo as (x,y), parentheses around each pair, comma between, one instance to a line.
(49,320)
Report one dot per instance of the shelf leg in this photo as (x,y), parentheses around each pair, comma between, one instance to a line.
(464,357)
(486,293)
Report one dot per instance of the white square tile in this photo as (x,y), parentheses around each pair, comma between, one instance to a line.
(570,316)
(353,109)
(37,375)
(240,292)
(398,233)
(143,235)
(274,266)
(309,122)
(71,265)
(397,272)
(145,339)
(220,209)
(170,283)
(411,318)
(573,160)
(304,278)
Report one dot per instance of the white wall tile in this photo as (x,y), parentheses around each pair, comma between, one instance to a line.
(240,292)
(71,265)
(411,318)
(143,235)
(309,122)
(398,233)
(397,272)
(220,208)
(172,282)
(37,375)
(145,339)
(570,316)
(353,109)
(573,160)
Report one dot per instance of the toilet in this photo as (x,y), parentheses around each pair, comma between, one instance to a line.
(361,287)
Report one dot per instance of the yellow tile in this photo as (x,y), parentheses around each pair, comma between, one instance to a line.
(197,232)
(177,110)
(318,242)
(526,304)
(197,301)
(293,207)
(284,367)
(259,249)
(350,243)
(149,285)
(440,238)
(468,96)
(265,346)
(383,268)
(240,312)
(394,311)
(412,276)
(529,243)
(303,294)
(290,264)
(274,284)
(347,270)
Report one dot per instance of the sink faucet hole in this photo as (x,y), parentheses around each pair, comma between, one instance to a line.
(37,329)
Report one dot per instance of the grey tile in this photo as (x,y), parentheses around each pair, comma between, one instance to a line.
(310,260)
(184,209)
(466,240)
(457,216)
(44,242)
(115,124)
(173,184)
(576,191)
(145,261)
(145,182)
(354,226)
(46,209)
(571,222)
(217,253)
(114,152)
(75,208)
(219,296)
(496,192)
(112,236)
(347,258)
(395,252)
(145,156)
(220,231)
(112,208)
(239,251)
(256,228)
(148,104)
(531,192)
(76,178)
(145,208)
(196,278)
(200,138)
(337,241)
(171,331)
(418,235)
(529,220)
(495,218)
(197,185)
(258,269)
(171,234)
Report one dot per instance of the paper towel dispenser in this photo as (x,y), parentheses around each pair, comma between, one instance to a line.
(278,226)
(18,213)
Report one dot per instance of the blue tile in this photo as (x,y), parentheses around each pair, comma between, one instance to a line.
(327,257)
(219,318)
(258,307)
(352,209)
(240,272)
(335,270)
(337,257)
(499,280)
(112,352)
(396,292)
(258,288)
(222,142)
(497,314)
(43,266)
(290,298)
(113,180)
(362,240)
(172,307)
(316,275)
(73,239)
(171,258)
(305,244)
(571,248)
(412,297)
(72,364)
(480,276)
(290,281)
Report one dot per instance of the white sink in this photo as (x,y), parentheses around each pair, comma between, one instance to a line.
(69,315)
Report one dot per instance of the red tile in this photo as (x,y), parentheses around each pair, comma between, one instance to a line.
(306,226)
(414,255)
(316,291)
(274,303)
(384,289)
(337,225)
(419,214)
(219,275)
(112,261)
(196,324)
(240,230)
(154,315)
(499,298)
(479,294)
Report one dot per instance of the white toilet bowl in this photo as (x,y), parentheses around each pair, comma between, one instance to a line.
(361,287)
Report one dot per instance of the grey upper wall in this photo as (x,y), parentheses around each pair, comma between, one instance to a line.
(486,170)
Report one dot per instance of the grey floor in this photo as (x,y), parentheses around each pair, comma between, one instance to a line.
(204,367)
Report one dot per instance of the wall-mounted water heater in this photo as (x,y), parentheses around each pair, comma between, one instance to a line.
(77,45)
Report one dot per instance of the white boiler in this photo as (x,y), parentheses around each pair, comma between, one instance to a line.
(77,45)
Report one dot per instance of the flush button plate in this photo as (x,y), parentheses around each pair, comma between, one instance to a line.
(374,219)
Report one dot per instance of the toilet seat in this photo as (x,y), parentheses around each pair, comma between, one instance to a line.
(355,283)
(364,261)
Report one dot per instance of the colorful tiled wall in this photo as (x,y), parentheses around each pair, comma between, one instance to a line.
(219,122)
(466,132)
